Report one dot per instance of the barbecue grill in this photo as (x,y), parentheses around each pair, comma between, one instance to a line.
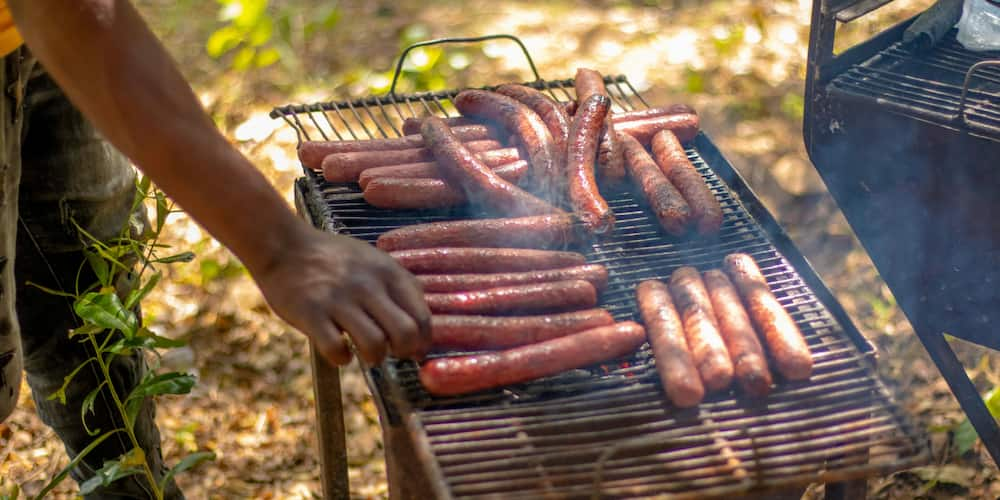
(607,430)
(906,136)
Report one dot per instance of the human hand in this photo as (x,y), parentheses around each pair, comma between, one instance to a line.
(324,283)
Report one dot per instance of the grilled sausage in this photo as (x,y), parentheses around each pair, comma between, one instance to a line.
(429,169)
(705,209)
(783,338)
(700,328)
(412,125)
(642,114)
(595,274)
(587,83)
(749,363)
(666,202)
(678,374)
(611,163)
(584,195)
(543,231)
(549,110)
(684,126)
(536,297)
(483,260)
(460,168)
(464,374)
(501,332)
(521,121)
(311,153)
(425,193)
(347,167)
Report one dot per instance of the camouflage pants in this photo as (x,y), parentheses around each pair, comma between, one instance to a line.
(55,171)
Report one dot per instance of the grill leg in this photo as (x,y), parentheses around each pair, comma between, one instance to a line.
(330,423)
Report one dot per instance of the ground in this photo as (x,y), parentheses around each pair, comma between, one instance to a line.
(740,63)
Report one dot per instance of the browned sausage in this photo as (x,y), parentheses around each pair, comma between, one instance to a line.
(569,107)
(678,374)
(749,363)
(783,338)
(587,83)
(543,231)
(521,121)
(666,202)
(423,193)
(483,260)
(700,328)
(610,162)
(429,169)
(501,332)
(705,209)
(412,125)
(584,195)
(347,167)
(642,114)
(536,297)
(595,274)
(684,126)
(549,110)
(464,374)
(311,153)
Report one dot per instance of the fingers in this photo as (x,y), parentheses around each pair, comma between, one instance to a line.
(329,342)
(400,328)
(407,294)
(367,336)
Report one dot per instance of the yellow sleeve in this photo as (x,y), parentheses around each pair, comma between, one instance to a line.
(10,39)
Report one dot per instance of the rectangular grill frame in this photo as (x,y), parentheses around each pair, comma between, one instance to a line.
(325,203)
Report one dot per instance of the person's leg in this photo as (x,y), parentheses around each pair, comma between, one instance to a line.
(71,175)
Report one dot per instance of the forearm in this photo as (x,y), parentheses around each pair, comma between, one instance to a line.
(116,72)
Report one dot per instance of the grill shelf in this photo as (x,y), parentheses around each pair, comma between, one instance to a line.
(608,428)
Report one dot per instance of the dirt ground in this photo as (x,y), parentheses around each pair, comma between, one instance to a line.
(740,63)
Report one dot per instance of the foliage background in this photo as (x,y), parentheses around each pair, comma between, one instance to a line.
(740,63)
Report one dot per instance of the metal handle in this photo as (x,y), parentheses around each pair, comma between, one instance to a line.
(402,57)
(965,86)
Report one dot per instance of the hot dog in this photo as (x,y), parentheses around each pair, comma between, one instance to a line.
(533,298)
(642,114)
(461,169)
(412,125)
(684,126)
(666,202)
(543,231)
(425,193)
(595,274)
(783,338)
(584,195)
(611,163)
(670,156)
(464,374)
(429,169)
(678,374)
(346,167)
(700,328)
(501,332)
(749,363)
(483,260)
(311,153)
(549,110)
(518,120)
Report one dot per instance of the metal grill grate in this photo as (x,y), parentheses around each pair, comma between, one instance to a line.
(607,428)
(948,85)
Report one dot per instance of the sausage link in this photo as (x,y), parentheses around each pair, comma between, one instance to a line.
(684,126)
(519,120)
(595,274)
(749,363)
(642,114)
(460,168)
(347,167)
(588,82)
(705,209)
(610,162)
(464,374)
(501,332)
(584,195)
(533,298)
(676,368)
(483,260)
(425,193)
(700,327)
(543,231)
(429,169)
(666,202)
(783,338)
(311,153)
(549,110)
(412,125)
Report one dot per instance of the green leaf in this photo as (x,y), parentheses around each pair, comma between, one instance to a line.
(251,14)
(223,40)
(185,464)
(261,32)
(244,58)
(992,400)
(87,329)
(105,309)
(136,296)
(965,437)
(158,341)
(88,406)
(167,383)
(135,457)
(132,408)
(267,57)
(58,478)
(111,472)
(99,266)
(181,257)
(61,393)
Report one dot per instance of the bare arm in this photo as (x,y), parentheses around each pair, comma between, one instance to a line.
(115,71)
